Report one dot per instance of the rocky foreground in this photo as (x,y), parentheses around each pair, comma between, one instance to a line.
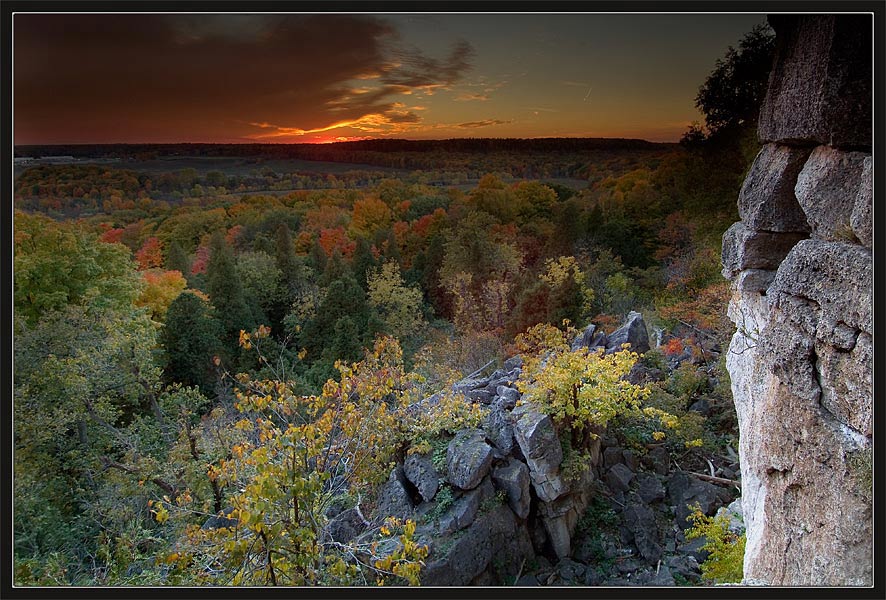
(496,508)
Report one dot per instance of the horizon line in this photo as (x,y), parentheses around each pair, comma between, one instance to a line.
(333,143)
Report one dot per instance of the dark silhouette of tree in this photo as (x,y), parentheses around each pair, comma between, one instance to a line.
(732,94)
(226,291)
(190,339)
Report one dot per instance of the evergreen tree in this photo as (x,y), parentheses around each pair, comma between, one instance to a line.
(190,340)
(226,292)
(177,259)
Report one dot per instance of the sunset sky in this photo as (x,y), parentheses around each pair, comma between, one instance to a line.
(320,78)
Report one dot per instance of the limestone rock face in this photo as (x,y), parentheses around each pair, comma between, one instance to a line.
(862,216)
(827,189)
(800,360)
(745,248)
(767,201)
(820,84)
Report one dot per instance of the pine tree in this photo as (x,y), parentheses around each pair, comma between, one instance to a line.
(226,292)
(190,340)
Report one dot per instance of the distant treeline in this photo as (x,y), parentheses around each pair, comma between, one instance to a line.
(342,151)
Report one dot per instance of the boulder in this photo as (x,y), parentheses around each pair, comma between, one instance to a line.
(507,397)
(685,490)
(539,444)
(631,460)
(346,526)
(499,427)
(483,396)
(820,83)
(612,456)
(632,332)
(493,541)
(658,460)
(464,509)
(649,488)
(640,521)
(619,478)
(419,469)
(590,338)
(515,362)
(753,280)
(767,201)
(838,277)
(466,385)
(827,189)
(733,513)
(468,459)
(862,218)
(513,478)
(701,406)
(745,248)
(394,499)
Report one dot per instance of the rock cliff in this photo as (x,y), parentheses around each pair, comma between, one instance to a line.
(800,261)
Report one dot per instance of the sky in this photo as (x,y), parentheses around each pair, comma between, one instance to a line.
(314,78)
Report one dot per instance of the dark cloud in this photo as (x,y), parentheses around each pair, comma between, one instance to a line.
(198,77)
(483,123)
(417,70)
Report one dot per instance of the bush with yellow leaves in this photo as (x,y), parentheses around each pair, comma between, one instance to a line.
(293,455)
(725,563)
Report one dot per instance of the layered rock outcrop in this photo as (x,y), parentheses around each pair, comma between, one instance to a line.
(801,265)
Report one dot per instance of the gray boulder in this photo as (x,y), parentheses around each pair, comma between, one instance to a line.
(836,276)
(658,460)
(619,478)
(640,521)
(590,338)
(513,478)
(346,525)
(515,362)
(483,396)
(538,442)
(499,428)
(649,488)
(745,248)
(767,201)
(862,216)
(612,456)
(493,541)
(466,385)
(827,189)
(633,332)
(394,499)
(507,397)
(419,469)
(685,490)
(468,459)
(465,508)
(820,84)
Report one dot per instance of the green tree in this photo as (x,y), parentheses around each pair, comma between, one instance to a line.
(190,340)
(226,292)
(57,265)
(177,259)
(399,306)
